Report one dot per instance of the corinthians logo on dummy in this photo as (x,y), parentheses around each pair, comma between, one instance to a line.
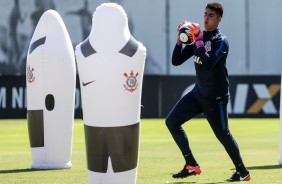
(131,81)
(29,74)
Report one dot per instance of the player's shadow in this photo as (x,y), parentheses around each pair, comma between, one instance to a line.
(21,170)
(265,167)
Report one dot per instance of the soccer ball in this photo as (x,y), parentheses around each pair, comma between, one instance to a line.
(185,34)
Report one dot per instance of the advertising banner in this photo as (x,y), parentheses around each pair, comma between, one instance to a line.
(251,96)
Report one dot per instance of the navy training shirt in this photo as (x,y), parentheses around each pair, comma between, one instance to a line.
(210,64)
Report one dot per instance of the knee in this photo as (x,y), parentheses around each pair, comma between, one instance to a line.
(172,123)
(169,122)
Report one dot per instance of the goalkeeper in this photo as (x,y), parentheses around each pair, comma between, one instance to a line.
(210,94)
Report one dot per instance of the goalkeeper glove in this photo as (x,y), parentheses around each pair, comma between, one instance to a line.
(178,41)
(197,33)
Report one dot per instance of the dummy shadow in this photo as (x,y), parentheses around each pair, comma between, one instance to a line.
(23,170)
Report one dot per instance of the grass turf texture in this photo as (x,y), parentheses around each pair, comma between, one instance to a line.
(159,156)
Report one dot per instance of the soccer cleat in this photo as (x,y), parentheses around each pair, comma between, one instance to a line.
(188,171)
(240,177)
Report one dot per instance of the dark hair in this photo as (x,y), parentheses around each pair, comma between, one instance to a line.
(218,8)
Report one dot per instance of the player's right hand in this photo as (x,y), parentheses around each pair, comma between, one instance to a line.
(179,26)
(178,41)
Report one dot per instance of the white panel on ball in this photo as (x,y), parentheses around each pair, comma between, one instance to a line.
(50,81)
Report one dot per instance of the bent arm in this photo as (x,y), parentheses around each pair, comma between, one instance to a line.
(180,55)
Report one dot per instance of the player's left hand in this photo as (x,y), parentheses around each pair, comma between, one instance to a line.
(196,31)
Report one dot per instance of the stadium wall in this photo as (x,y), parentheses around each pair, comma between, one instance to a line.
(251,96)
(251,51)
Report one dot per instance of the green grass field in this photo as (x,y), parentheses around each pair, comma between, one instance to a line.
(159,156)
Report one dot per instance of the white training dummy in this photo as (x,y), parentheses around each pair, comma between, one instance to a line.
(110,65)
(50,82)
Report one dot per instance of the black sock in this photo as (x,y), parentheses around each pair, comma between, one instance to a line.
(190,160)
(241,168)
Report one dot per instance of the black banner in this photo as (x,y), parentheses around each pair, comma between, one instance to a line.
(12,97)
(251,96)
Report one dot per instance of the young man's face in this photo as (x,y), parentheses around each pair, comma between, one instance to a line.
(211,20)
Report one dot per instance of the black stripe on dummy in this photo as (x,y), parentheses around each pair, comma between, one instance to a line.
(86,48)
(130,47)
(121,144)
(35,128)
(36,44)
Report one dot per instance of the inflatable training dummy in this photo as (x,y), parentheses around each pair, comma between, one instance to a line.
(110,65)
(50,82)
